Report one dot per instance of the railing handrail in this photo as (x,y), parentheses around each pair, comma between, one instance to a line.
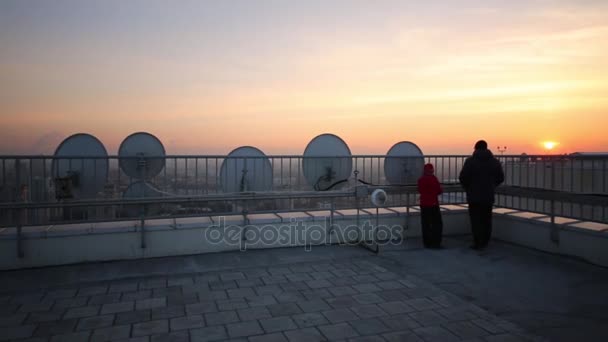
(277,156)
(536,193)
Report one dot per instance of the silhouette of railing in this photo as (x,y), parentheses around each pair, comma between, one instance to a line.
(189,185)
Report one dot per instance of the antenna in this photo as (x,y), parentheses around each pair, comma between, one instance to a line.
(79,177)
(326,162)
(403,164)
(141,155)
(246,168)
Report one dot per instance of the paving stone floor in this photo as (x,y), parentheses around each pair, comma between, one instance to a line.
(331,293)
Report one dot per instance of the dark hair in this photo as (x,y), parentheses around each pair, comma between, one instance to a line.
(481,145)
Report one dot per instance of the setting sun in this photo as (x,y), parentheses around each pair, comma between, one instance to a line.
(549,145)
(385,71)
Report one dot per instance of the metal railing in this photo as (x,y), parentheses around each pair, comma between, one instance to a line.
(191,185)
(569,186)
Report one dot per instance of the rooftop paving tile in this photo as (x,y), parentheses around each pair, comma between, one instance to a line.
(331,293)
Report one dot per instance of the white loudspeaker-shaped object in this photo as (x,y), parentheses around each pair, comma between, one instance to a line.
(379,197)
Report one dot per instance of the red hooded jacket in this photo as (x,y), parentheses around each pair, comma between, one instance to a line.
(429,187)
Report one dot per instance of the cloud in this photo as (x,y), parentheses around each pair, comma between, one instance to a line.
(576,34)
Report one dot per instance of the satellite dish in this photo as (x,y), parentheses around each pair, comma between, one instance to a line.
(141,189)
(141,155)
(246,169)
(403,164)
(379,197)
(75,177)
(335,164)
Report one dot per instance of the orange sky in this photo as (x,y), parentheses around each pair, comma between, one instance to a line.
(513,74)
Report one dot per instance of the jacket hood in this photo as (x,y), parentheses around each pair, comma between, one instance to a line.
(429,169)
(483,154)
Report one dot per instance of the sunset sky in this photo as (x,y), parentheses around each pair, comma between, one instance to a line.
(209,76)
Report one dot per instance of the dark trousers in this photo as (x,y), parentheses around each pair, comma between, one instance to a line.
(432,226)
(481,223)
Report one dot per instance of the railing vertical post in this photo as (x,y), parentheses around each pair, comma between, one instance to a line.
(554,228)
(357,202)
(375,236)
(604,192)
(331,215)
(142,225)
(19,241)
(245,213)
(206,175)
(407,215)
(19,197)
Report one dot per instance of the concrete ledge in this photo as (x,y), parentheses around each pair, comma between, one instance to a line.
(68,244)
(575,241)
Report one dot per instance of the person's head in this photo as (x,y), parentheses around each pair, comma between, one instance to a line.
(429,169)
(481,145)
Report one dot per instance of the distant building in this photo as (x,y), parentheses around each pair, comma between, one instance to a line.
(590,154)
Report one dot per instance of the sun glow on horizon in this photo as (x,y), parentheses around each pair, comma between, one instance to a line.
(372,73)
(550,145)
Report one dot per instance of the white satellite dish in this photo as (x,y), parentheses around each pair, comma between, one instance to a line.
(80,177)
(404,163)
(138,190)
(246,169)
(141,189)
(333,165)
(141,155)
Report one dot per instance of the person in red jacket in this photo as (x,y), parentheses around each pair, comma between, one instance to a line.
(430,214)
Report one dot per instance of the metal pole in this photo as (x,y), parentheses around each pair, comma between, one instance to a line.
(19,198)
(142,223)
(244,212)
(554,228)
(20,253)
(331,216)
(407,215)
(357,202)
(604,189)
(375,238)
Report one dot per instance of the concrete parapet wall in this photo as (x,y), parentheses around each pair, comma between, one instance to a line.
(173,237)
(63,245)
(587,244)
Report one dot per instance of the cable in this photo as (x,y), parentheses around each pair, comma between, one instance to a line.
(334,184)
(372,184)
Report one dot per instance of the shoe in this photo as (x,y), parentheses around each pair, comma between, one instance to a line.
(437,247)
(475,247)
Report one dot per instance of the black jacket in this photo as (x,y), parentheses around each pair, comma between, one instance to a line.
(480,175)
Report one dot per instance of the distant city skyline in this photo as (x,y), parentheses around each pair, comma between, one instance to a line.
(208,76)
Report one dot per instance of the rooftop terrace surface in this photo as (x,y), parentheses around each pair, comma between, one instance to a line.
(406,293)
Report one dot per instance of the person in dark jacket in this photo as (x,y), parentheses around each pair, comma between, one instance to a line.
(430,214)
(480,175)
